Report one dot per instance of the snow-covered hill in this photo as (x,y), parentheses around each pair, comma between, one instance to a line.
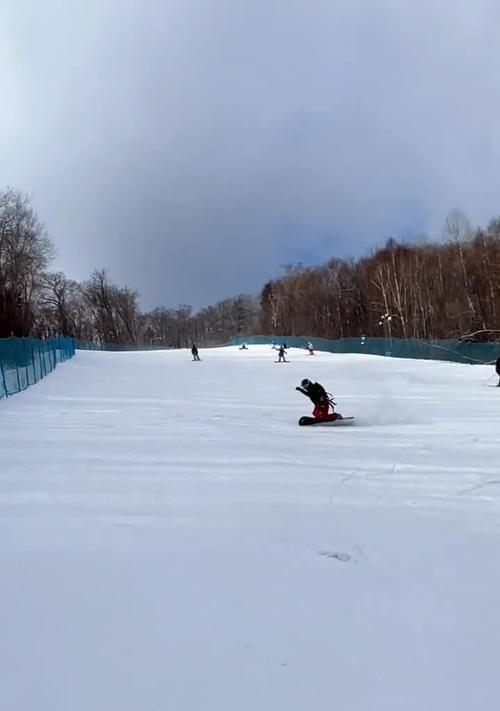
(170,539)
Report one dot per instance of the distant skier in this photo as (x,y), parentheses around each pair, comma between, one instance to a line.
(194,352)
(310,348)
(320,399)
(282,354)
(243,347)
(497,368)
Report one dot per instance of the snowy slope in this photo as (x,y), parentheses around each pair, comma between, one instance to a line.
(170,539)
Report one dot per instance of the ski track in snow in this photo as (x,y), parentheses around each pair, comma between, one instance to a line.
(171,539)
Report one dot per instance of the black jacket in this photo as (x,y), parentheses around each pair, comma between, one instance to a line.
(497,366)
(315,392)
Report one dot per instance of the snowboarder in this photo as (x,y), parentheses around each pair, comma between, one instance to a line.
(497,368)
(321,400)
(194,352)
(310,348)
(282,354)
(243,347)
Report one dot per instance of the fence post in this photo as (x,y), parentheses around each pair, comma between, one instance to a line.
(45,352)
(33,362)
(18,378)
(4,380)
(49,366)
(41,361)
(25,361)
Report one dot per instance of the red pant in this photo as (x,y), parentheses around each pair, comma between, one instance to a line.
(321,411)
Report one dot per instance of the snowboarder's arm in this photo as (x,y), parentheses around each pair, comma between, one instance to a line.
(301,390)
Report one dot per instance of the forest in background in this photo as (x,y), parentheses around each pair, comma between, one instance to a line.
(447,288)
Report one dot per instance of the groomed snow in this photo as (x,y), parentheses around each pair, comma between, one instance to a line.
(170,539)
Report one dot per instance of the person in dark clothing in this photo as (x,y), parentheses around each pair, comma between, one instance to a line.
(194,352)
(319,398)
(281,354)
(497,368)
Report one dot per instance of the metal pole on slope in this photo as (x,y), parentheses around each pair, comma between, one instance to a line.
(385,321)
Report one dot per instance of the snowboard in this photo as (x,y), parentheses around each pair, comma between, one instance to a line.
(304,421)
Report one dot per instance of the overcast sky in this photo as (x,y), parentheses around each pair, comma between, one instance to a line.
(194,146)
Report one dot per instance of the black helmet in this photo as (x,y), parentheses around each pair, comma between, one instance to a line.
(305,383)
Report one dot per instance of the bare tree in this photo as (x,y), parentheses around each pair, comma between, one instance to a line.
(57,302)
(115,310)
(25,252)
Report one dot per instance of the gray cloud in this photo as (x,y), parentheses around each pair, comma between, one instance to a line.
(194,147)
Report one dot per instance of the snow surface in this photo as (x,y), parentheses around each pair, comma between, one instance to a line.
(171,539)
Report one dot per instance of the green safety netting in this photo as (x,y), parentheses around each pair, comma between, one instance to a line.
(450,350)
(25,361)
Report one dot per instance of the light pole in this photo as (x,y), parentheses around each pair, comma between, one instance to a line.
(385,321)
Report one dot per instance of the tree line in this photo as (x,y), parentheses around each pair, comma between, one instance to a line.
(39,302)
(427,289)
